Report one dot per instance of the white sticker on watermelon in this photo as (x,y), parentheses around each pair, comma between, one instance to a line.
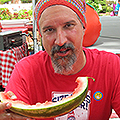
(80,113)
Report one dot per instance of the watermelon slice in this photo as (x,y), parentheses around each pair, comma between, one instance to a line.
(49,109)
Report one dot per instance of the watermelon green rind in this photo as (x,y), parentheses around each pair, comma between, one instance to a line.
(60,109)
(55,109)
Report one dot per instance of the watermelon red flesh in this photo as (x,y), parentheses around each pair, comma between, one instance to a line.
(50,109)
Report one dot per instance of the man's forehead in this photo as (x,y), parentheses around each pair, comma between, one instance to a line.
(55,8)
(52,10)
(57,13)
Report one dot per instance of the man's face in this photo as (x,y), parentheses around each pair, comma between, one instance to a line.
(62,35)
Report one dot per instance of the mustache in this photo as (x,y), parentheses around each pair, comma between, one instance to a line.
(57,48)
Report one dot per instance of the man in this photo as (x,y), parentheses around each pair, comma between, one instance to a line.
(117,8)
(47,75)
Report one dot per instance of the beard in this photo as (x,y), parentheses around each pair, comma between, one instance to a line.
(63,64)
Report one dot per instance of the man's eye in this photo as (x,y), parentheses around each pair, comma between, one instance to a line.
(48,30)
(69,26)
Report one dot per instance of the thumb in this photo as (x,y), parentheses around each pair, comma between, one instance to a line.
(4,106)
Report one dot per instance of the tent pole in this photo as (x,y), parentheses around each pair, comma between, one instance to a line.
(34,29)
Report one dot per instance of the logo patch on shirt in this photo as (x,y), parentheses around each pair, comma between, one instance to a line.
(98,96)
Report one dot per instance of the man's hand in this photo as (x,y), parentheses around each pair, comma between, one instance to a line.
(5,115)
(4,106)
(12,116)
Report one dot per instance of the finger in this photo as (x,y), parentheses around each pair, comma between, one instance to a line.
(4,106)
(12,116)
(5,116)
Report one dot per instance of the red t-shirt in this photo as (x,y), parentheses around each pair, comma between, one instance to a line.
(33,80)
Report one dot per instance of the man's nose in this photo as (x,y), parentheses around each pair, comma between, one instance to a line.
(61,38)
